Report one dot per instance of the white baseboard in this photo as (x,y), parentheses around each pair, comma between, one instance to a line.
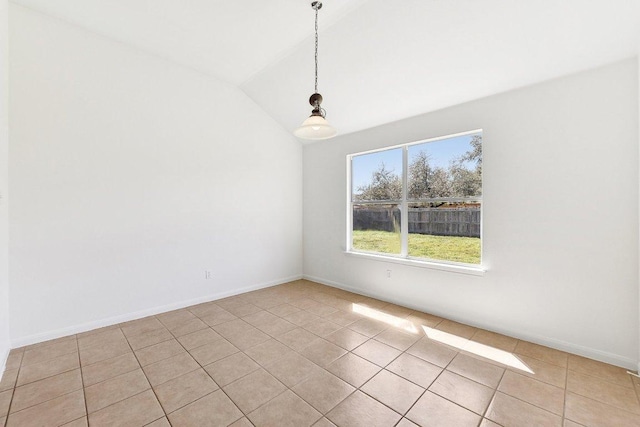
(4,355)
(590,353)
(76,329)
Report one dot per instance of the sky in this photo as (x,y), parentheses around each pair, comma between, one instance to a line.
(441,153)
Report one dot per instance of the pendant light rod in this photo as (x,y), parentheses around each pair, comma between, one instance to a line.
(317,5)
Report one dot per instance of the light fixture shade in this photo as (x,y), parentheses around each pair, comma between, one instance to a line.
(315,127)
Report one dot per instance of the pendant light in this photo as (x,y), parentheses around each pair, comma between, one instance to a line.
(316,126)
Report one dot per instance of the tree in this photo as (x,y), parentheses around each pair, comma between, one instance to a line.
(475,154)
(425,181)
(420,176)
(385,185)
(428,182)
(441,183)
(467,182)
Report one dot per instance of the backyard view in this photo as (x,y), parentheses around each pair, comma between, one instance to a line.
(458,249)
(443,200)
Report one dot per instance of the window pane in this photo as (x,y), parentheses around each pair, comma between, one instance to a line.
(377,176)
(376,228)
(443,199)
(445,231)
(445,168)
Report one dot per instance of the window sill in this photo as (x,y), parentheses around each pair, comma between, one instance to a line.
(454,268)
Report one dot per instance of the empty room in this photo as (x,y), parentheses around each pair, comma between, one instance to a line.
(319,213)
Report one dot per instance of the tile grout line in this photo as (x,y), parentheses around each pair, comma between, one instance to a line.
(44,401)
(84,394)
(356,389)
(426,389)
(436,379)
(495,392)
(109,379)
(315,294)
(384,368)
(566,392)
(323,415)
(287,388)
(298,353)
(145,375)
(636,387)
(201,367)
(13,390)
(77,349)
(591,397)
(243,352)
(588,374)
(48,376)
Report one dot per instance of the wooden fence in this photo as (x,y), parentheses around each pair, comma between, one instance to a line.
(435,221)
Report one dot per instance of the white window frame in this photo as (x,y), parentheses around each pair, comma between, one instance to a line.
(404,257)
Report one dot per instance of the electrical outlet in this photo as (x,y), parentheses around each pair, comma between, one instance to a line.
(388,274)
(207,274)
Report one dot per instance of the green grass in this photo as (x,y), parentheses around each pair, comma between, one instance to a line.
(446,248)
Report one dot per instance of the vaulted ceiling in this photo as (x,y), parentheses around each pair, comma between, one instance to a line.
(380,61)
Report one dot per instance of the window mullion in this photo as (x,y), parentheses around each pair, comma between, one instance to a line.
(349,242)
(404,206)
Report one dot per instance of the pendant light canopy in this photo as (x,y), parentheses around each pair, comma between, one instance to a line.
(316,126)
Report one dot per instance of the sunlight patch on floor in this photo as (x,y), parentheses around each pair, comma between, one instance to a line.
(385,318)
(463,344)
(483,350)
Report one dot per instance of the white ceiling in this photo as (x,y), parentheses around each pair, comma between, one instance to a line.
(380,61)
(232,39)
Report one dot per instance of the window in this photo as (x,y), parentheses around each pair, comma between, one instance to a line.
(437,183)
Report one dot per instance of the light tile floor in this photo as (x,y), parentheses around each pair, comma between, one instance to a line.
(303,354)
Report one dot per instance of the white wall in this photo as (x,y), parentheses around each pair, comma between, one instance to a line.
(4,187)
(560,215)
(130,176)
